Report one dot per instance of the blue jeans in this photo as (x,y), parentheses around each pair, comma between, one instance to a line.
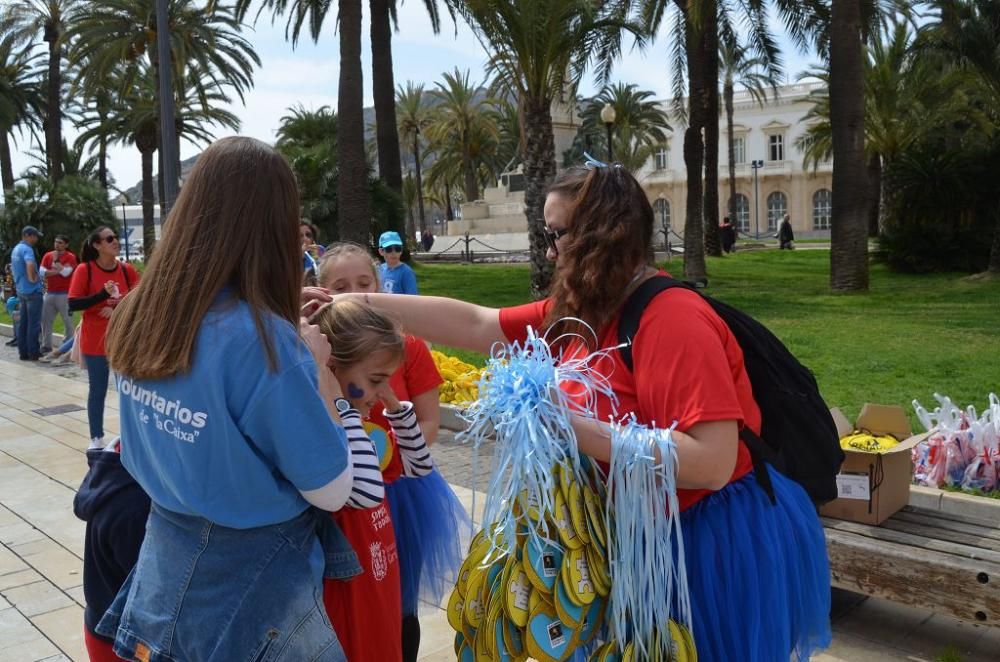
(29,327)
(97,374)
(67,344)
(201,591)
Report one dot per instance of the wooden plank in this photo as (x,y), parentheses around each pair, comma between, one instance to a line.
(919,542)
(948,522)
(955,517)
(942,534)
(941,582)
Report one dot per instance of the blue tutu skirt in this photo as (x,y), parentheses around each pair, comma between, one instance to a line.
(758,574)
(428,520)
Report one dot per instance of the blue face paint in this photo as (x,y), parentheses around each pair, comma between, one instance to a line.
(354,392)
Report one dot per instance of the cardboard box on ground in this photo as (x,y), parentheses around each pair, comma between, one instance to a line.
(874,486)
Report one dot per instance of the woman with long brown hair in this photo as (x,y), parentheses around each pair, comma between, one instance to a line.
(229,415)
(758,573)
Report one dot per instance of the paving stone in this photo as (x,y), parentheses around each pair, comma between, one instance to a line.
(20,578)
(15,629)
(55,563)
(65,628)
(36,649)
(37,598)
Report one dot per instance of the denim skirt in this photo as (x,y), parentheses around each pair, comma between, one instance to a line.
(201,591)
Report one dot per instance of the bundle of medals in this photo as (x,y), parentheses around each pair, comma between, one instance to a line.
(867,442)
(548,597)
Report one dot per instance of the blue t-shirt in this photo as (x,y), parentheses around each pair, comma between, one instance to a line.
(232,441)
(400,280)
(22,254)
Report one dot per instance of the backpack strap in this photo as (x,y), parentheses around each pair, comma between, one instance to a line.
(128,281)
(628,326)
(635,306)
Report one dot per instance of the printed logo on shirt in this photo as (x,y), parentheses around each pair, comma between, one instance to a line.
(380,517)
(169,416)
(380,438)
(380,561)
(387,286)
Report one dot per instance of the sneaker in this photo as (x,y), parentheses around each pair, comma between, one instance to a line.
(50,357)
(96,442)
(12,342)
(64,359)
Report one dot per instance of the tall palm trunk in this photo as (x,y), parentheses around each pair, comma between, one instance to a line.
(102,161)
(849,222)
(352,184)
(53,114)
(994,266)
(539,169)
(383,87)
(470,182)
(710,47)
(148,222)
(731,144)
(6,166)
(694,156)
(449,213)
(875,198)
(420,184)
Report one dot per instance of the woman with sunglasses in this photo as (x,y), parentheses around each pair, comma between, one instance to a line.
(99,283)
(758,572)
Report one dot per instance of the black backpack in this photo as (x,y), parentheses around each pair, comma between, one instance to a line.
(798,436)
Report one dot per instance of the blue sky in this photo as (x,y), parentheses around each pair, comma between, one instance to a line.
(308,75)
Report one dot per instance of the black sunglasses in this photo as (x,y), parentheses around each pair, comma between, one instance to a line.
(393,249)
(109,239)
(552,236)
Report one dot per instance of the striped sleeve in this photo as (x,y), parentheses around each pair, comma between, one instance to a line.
(413,450)
(367,490)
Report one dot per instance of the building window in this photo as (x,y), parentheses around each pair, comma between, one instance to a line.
(661,207)
(661,157)
(777,207)
(822,209)
(739,150)
(742,208)
(776,147)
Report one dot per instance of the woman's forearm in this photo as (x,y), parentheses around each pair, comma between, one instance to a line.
(706,454)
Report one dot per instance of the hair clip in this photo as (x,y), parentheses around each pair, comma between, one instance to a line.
(592,163)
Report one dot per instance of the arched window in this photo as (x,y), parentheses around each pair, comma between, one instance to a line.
(661,208)
(777,207)
(822,209)
(742,208)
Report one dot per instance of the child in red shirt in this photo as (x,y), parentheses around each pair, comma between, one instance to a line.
(367,349)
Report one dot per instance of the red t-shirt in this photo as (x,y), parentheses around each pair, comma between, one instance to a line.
(89,279)
(689,369)
(56,284)
(366,611)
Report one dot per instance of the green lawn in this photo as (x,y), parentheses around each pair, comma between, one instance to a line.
(907,338)
(57,326)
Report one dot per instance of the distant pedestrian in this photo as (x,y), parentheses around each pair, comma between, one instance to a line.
(785,234)
(396,277)
(427,240)
(29,294)
(728,235)
(312,251)
(57,269)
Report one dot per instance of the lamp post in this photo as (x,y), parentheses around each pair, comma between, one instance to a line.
(608,116)
(168,129)
(756,165)
(125,230)
(662,203)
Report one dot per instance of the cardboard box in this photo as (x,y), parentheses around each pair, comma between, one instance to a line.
(874,486)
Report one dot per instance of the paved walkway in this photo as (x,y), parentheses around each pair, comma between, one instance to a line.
(41,543)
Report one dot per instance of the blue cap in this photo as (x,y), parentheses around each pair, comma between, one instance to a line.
(389,239)
(29,230)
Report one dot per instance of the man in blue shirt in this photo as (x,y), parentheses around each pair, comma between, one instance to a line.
(29,294)
(396,277)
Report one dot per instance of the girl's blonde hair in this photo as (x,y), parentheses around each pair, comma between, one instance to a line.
(356,331)
(341,249)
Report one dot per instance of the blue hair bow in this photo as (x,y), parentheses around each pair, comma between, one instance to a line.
(592,163)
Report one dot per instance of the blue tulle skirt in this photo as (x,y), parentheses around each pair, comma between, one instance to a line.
(758,573)
(428,520)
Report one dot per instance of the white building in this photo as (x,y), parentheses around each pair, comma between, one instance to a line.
(765,133)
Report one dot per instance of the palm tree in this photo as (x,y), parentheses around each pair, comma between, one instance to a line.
(538,48)
(76,163)
(50,18)
(352,184)
(94,112)
(462,124)
(413,117)
(738,66)
(308,139)
(640,125)
(21,103)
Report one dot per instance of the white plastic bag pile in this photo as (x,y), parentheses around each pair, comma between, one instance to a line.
(964,449)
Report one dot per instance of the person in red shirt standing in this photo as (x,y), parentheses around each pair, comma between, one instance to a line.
(56,270)
(99,283)
(757,572)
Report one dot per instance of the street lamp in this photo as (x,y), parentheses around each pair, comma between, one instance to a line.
(661,201)
(125,231)
(756,165)
(168,129)
(608,116)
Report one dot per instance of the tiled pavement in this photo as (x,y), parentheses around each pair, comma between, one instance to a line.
(41,542)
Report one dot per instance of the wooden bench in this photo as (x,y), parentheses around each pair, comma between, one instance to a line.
(945,562)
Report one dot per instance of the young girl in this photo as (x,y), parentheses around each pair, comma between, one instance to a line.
(427,516)
(366,350)
(99,283)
